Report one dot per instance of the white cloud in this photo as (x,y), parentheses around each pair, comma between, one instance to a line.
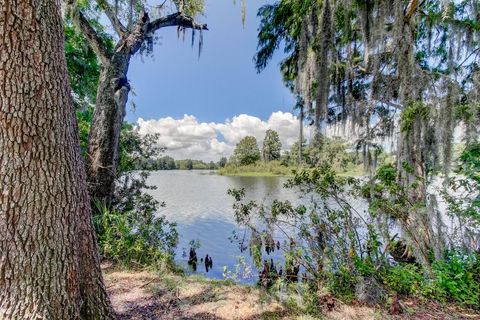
(189,138)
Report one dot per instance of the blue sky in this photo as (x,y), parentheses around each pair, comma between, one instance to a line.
(221,84)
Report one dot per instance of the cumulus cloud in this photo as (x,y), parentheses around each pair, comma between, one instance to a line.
(189,138)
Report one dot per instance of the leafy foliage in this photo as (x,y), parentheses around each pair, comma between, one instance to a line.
(333,150)
(321,237)
(463,196)
(222,162)
(271,146)
(84,120)
(190,7)
(137,239)
(135,149)
(131,232)
(259,168)
(470,162)
(352,252)
(455,279)
(161,163)
(83,67)
(246,151)
(414,111)
(357,65)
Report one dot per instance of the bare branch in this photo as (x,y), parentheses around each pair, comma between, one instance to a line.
(177,19)
(116,23)
(144,28)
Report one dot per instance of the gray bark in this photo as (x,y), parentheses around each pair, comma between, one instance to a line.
(113,90)
(300,145)
(112,96)
(49,267)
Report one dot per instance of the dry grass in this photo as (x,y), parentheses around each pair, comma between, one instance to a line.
(144,295)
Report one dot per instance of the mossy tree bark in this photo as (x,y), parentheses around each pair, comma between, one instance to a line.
(49,268)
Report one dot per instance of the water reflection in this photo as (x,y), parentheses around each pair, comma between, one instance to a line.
(200,206)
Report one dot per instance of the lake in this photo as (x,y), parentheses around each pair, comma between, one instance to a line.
(198,202)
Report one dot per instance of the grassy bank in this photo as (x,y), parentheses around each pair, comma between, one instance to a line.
(276,169)
(258,169)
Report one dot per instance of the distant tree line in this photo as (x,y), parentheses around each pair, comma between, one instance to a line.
(334,150)
(169,163)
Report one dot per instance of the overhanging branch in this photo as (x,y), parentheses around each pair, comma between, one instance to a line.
(144,28)
(177,19)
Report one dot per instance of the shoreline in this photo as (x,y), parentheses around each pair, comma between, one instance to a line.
(141,294)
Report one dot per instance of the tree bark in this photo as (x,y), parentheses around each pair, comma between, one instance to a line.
(112,96)
(49,267)
(300,144)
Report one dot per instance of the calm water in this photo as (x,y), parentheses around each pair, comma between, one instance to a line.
(198,202)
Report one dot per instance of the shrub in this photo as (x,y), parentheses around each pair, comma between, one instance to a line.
(342,284)
(454,279)
(404,279)
(457,278)
(128,241)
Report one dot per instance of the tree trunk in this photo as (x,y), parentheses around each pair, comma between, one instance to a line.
(300,144)
(323,70)
(49,267)
(112,96)
(412,150)
(113,89)
(411,145)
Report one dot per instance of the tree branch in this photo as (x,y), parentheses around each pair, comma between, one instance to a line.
(120,29)
(412,6)
(177,19)
(89,32)
(144,28)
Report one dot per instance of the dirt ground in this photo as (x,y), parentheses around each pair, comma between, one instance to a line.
(145,295)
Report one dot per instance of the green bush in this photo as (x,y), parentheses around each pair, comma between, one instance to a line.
(404,279)
(342,284)
(455,279)
(127,241)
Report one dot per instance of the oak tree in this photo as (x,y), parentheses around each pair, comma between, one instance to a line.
(49,268)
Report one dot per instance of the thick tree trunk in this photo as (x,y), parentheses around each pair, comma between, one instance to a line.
(48,261)
(112,96)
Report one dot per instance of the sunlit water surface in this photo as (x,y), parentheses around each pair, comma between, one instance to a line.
(198,202)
